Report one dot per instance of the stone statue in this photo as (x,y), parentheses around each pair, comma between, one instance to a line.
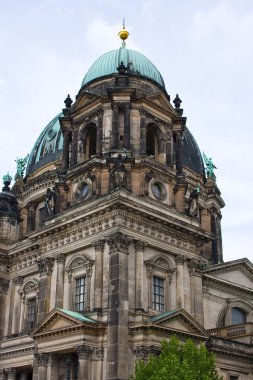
(21,163)
(193,210)
(209,166)
(118,174)
(50,202)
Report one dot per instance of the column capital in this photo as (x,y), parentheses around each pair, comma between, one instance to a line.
(60,258)
(4,285)
(180,259)
(99,245)
(18,280)
(139,245)
(11,373)
(195,267)
(118,242)
(99,353)
(42,359)
(45,266)
(83,351)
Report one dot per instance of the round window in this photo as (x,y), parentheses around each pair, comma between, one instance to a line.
(158,190)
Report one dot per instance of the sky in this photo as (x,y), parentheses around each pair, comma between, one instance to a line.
(203,49)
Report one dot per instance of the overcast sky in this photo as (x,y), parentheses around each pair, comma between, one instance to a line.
(203,49)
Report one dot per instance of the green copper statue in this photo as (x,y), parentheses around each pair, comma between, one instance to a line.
(21,163)
(209,166)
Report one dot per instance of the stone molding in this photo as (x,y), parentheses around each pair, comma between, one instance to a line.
(83,352)
(4,285)
(118,242)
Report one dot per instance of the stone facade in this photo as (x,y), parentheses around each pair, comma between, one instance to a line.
(117,245)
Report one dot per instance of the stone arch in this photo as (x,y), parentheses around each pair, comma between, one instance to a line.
(155,140)
(87,141)
(224,316)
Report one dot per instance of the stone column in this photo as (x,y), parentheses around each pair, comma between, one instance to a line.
(117,338)
(115,127)
(139,267)
(127,128)
(18,281)
(4,286)
(99,142)
(45,267)
(179,153)
(60,280)
(98,358)
(42,360)
(31,217)
(11,373)
(99,248)
(65,151)
(52,369)
(142,132)
(180,280)
(84,353)
(196,290)
(74,146)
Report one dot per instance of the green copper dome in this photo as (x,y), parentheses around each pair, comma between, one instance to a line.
(136,63)
(48,146)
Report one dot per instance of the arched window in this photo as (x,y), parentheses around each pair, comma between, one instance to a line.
(237,316)
(150,141)
(87,142)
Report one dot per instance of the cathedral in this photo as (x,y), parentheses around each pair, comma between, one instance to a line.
(110,238)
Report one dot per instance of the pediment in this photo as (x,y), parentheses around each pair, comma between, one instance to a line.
(238,273)
(61,320)
(178,320)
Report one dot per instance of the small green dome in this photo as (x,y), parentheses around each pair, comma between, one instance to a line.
(48,146)
(136,63)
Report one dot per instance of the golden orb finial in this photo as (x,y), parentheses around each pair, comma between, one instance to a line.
(123,34)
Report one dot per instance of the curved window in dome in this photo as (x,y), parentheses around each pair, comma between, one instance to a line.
(87,142)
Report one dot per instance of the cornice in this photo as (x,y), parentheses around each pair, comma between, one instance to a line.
(227,284)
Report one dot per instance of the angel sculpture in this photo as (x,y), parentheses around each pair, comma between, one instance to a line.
(21,163)
(209,166)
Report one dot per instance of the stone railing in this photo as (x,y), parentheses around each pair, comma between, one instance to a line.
(231,332)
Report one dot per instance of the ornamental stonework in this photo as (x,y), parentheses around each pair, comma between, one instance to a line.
(118,242)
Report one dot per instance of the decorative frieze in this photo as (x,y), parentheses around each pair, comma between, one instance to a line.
(118,242)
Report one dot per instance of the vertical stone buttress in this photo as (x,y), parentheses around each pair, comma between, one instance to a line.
(127,132)
(4,286)
(74,146)
(115,127)
(139,274)
(45,267)
(18,281)
(99,248)
(180,281)
(179,153)
(196,290)
(99,140)
(60,280)
(117,339)
(65,151)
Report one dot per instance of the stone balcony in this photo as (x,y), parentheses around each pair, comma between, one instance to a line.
(241,332)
